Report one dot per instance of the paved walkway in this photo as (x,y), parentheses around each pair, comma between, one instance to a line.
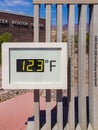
(15,112)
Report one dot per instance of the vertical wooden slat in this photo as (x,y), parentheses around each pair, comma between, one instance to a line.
(82,67)
(36,23)
(59,110)
(93,68)
(71,118)
(48,92)
(59,92)
(48,109)
(59,23)
(36,92)
(48,23)
(36,110)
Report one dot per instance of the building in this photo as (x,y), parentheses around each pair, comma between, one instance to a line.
(20,26)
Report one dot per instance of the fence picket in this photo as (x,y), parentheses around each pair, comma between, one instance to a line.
(59,110)
(48,23)
(82,67)
(48,109)
(93,67)
(59,23)
(48,92)
(36,92)
(59,92)
(36,23)
(36,110)
(71,118)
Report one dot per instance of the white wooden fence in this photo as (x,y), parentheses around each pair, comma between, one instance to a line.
(75,114)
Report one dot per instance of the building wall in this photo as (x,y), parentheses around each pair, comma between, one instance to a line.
(20,26)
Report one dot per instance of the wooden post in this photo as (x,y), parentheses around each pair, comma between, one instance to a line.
(36,110)
(59,110)
(82,67)
(48,92)
(59,23)
(48,23)
(36,92)
(48,109)
(71,26)
(36,23)
(93,68)
(59,92)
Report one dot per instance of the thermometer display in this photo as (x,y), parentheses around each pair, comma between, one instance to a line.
(30,65)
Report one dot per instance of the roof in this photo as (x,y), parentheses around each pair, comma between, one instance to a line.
(21,14)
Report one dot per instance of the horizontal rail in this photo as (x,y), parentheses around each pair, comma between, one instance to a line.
(65,1)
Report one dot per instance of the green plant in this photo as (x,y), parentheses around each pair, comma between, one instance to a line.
(5,37)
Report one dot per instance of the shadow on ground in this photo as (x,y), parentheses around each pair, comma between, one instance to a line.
(65,113)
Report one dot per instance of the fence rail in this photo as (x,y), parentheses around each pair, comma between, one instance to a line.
(71,112)
(65,1)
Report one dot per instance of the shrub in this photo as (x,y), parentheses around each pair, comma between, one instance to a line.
(5,37)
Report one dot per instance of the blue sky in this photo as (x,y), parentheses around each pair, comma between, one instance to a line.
(26,7)
(17,6)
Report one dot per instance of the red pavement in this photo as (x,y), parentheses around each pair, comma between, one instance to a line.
(14,113)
